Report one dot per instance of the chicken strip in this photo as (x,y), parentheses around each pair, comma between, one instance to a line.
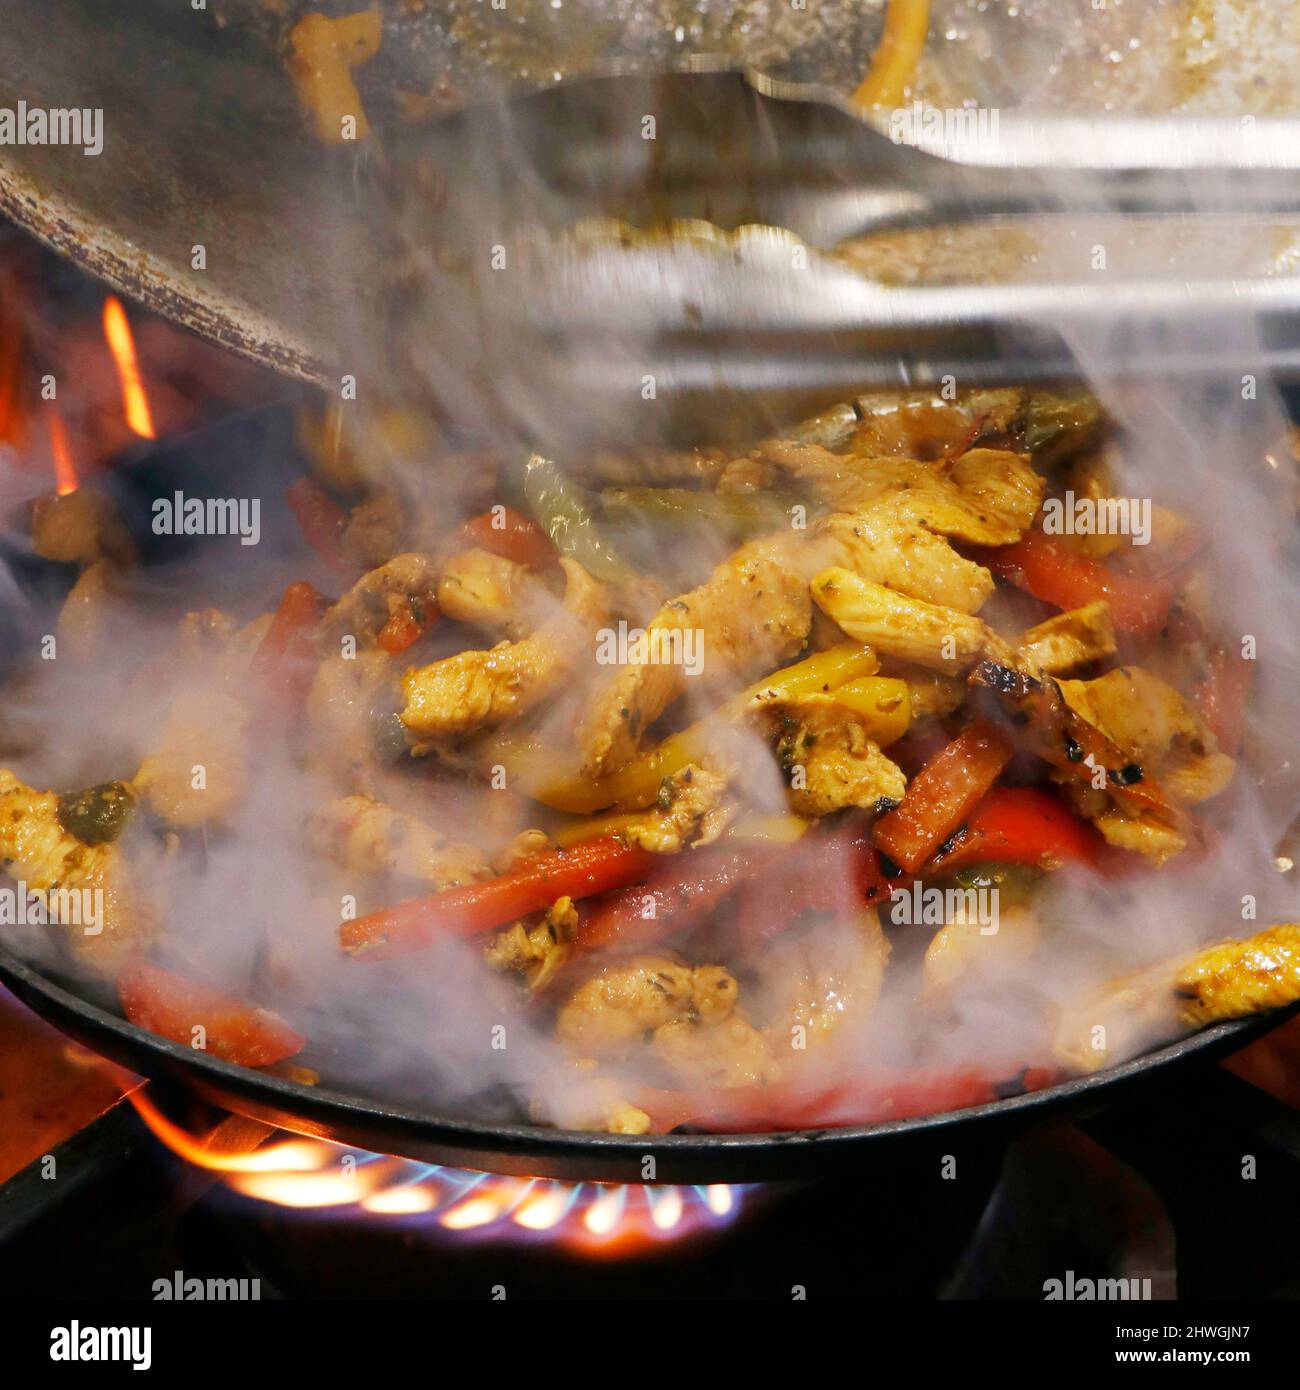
(1067,641)
(619,1007)
(1155,728)
(965,953)
(688,811)
(39,852)
(730,1053)
(368,837)
(197,775)
(1227,980)
(985,497)
(375,597)
(829,759)
(899,626)
(881,545)
(490,592)
(536,953)
(825,982)
(754,614)
(482,689)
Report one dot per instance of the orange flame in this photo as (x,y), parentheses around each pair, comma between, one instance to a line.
(135,404)
(310,1174)
(65,471)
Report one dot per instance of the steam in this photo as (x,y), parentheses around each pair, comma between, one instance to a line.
(252,903)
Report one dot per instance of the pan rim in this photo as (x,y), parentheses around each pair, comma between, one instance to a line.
(300,1099)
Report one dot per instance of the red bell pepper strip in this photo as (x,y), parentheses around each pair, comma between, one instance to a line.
(174,1007)
(1222,694)
(513,536)
(865,1101)
(677,894)
(943,794)
(282,663)
(830,870)
(405,627)
(1018,825)
(585,869)
(1061,576)
(321,521)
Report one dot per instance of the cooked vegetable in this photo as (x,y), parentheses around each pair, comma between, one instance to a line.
(738,515)
(1019,825)
(97,815)
(206,1019)
(1056,425)
(406,626)
(675,895)
(942,795)
(321,520)
(566,512)
(1221,696)
(1050,570)
(638,783)
(282,661)
(790,726)
(588,868)
(512,535)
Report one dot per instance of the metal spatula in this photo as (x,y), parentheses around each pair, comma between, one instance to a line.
(667,259)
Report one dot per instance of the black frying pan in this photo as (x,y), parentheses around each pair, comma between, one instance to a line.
(532,1151)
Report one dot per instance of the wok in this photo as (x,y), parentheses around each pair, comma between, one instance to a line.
(205,148)
(531,1151)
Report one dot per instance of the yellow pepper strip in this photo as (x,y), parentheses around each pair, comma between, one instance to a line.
(893,66)
(638,783)
(883,704)
(321,55)
(768,830)
(592,827)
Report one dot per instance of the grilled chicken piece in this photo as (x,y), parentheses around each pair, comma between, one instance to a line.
(37,851)
(824,983)
(1130,809)
(368,837)
(374,530)
(481,689)
(730,1053)
(1236,978)
(1155,728)
(490,592)
(963,953)
(79,528)
(930,694)
(345,707)
(536,952)
(1227,980)
(527,844)
(881,545)
(588,1101)
(376,596)
(829,759)
(689,810)
(897,625)
(986,497)
(1067,641)
(197,775)
(754,613)
(624,1003)
(84,620)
